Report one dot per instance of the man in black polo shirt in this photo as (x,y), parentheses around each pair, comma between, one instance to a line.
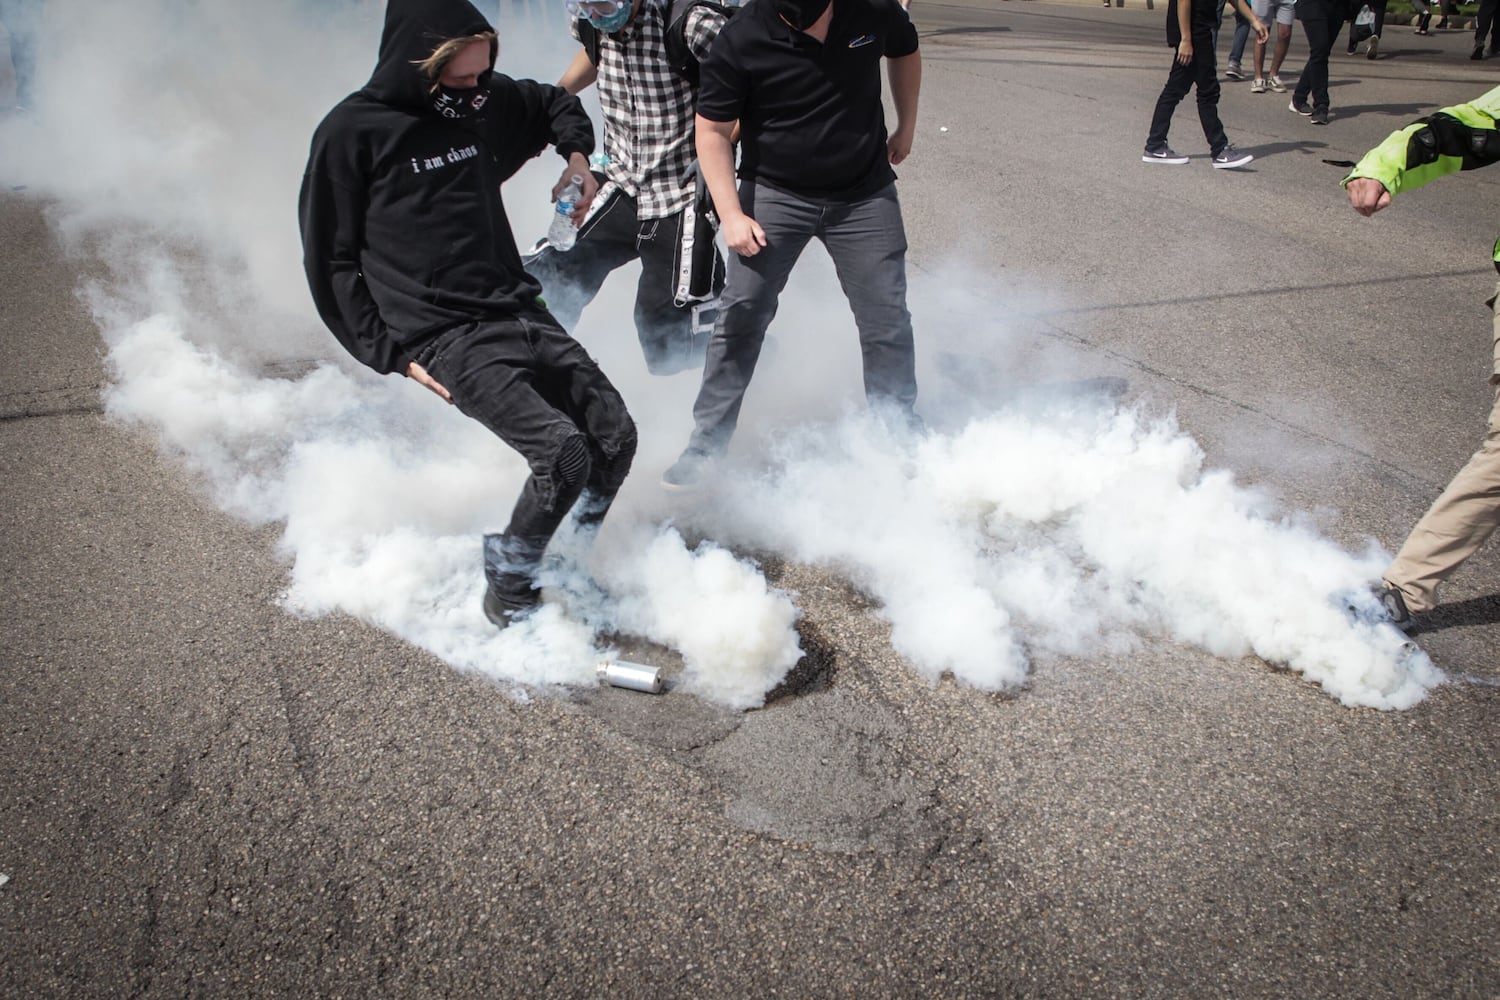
(802,80)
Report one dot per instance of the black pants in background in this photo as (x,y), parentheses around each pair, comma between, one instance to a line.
(1378,6)
(1203,73)
(1321,32)
(612,237)
(1488,23)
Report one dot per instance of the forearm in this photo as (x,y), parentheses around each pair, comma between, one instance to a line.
(1243,9)
(580,74)
(716,162)
(571,130)
(905,75)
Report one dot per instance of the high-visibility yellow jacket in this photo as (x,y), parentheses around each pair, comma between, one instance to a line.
(1463,137)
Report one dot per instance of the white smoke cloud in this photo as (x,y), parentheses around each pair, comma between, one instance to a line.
(173,149)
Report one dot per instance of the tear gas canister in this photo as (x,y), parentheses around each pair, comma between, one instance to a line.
(635,676)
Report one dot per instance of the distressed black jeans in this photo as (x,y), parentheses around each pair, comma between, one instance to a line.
(538,390)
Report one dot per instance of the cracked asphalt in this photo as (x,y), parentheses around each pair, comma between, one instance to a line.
(206,797)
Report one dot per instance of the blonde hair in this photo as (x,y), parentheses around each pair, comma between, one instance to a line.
(434,64)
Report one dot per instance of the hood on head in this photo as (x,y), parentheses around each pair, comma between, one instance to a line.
(413,29)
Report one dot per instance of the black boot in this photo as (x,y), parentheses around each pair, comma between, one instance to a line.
(510,565)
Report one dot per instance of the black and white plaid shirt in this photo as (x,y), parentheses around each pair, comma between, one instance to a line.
(648,108)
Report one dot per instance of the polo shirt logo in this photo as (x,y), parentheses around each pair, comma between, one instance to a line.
(861,40)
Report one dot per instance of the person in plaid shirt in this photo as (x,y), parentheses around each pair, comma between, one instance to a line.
(646,206)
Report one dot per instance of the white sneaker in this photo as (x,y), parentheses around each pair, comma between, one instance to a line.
(1257,86)
(1276,85)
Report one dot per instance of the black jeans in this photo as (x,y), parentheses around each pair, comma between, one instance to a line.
(1488,23)
(1321,32)
(613,236)
(1203,73)
(531,384)
(1378,6)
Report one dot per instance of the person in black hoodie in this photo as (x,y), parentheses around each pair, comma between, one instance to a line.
(414,268)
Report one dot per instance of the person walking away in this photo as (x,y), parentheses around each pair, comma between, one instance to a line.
(1487,23)
(1190,26)
(1423,10)
(1321,20)
(1236,45)
(1281,13)
(22,20)
(1377,7)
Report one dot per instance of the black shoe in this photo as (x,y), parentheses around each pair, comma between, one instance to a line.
(689,472)
(503,611)
(1301,107)
(1320,117)
(1478,52)
(1395,608)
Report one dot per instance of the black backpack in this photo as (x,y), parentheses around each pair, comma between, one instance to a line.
(679,53)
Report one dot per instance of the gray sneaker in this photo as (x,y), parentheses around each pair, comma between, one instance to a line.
(1233,72)
(1163,155)
(689,472)
(1229,158)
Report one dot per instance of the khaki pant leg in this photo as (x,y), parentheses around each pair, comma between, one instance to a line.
(1454,528)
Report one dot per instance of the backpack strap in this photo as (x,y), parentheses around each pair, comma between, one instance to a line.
(679,52)
(588,37)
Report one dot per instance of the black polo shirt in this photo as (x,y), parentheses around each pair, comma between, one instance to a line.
(810,114)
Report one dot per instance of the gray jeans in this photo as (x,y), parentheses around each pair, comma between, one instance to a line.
(867,242)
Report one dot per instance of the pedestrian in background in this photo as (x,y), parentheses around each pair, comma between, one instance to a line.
(1377,7)
(1487,23)
(1190,26)
(1281,13)
(1236,45)
(1321,20)
(22,20)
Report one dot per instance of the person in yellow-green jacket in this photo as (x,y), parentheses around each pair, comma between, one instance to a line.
(1463,137)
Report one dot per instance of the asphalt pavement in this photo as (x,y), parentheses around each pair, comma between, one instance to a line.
(205,796)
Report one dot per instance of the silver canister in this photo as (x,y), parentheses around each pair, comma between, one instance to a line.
(635,676)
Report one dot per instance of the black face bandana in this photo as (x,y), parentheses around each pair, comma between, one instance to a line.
(456,102)
(801,14)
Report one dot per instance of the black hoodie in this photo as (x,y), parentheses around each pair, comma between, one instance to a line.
(404,234)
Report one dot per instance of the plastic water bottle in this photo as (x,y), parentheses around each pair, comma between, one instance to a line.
(563,233)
